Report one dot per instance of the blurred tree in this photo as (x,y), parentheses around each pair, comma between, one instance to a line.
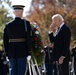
(70,19)
(41,12)
(3,19)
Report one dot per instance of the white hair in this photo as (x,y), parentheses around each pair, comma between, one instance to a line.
(57,16)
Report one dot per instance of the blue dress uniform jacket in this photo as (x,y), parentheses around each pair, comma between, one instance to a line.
(16,30)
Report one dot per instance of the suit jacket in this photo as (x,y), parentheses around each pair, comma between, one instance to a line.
(16,30)
(61,43)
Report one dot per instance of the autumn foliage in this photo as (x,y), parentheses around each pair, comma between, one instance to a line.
(41,12)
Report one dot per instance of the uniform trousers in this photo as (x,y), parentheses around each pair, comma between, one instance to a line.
(17,66)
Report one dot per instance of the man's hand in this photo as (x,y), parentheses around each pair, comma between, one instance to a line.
(52,26)
(61,59)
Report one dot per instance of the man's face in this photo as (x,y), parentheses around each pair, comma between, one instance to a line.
(54,22)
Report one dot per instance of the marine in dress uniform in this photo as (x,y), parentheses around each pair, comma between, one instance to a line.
(61,40)
(74,54)
(17,41)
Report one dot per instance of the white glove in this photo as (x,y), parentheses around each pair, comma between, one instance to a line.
(29,57)
(7,59)
(70,63)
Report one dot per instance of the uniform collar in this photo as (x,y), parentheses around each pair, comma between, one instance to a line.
(17,18)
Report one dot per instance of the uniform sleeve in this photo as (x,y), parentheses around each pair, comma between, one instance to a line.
(5,41)
(29,37)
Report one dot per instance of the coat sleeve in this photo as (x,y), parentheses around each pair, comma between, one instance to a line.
(29,37)
(66,42)
(51,37)
(6,40)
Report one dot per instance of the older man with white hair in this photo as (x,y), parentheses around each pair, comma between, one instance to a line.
(61,39)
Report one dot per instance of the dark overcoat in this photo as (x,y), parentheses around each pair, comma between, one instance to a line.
(61,47)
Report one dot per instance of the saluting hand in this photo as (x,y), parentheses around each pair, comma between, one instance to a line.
(52,26)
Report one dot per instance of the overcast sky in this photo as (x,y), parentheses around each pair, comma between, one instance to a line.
(26,3)
(22,2)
